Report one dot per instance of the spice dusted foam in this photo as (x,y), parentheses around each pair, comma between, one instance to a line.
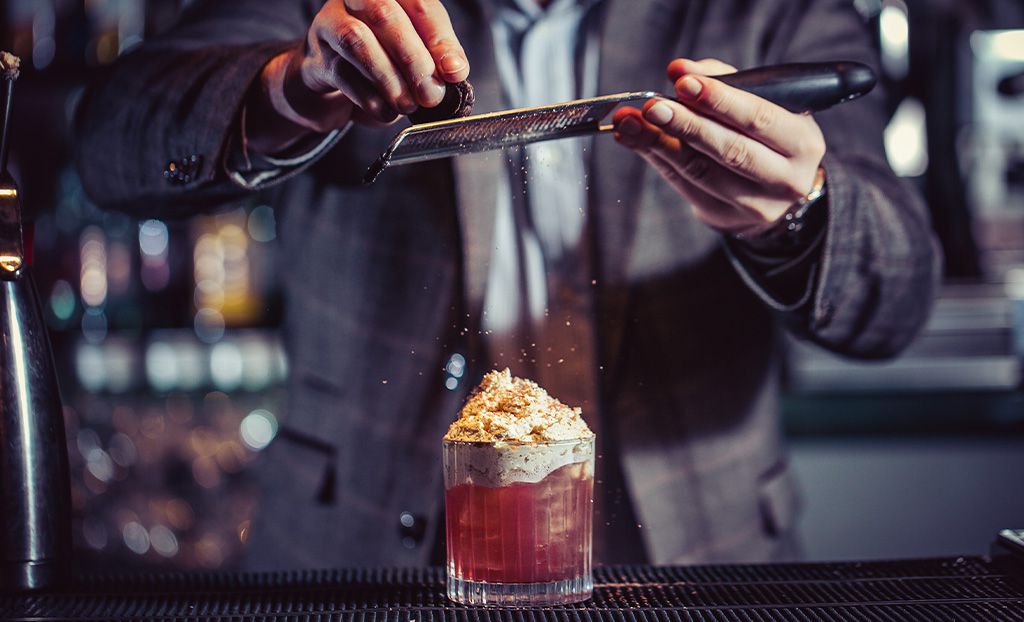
(512,418)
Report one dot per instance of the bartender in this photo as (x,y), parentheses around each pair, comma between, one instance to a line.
(646,278)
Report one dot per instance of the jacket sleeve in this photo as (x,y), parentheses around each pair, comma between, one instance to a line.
(153,133)
(873,284)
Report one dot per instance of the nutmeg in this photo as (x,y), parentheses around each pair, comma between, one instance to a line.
(457,102)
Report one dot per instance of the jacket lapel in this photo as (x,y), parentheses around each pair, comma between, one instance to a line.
(638,39)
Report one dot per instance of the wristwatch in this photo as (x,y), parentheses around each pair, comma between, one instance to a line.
(787,229)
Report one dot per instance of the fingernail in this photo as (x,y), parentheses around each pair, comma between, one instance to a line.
(689,86)
(431,91)
(659,114)
(452,63)
(630,126)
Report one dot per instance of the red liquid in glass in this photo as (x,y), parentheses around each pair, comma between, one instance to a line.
(523,532)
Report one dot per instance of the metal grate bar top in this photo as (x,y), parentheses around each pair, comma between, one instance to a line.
(966,588)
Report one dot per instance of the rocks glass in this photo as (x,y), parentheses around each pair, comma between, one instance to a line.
(519,521)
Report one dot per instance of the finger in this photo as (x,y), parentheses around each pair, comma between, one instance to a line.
(707,67)
(715,206)
(710,210)
(394,30)
(434,26)
(632,131)
(773,125)
(373,109)
(355,43)
(725,145)
(697,168)
(760,206)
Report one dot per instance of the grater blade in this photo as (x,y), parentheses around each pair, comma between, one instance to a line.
(497,130)
(797,87)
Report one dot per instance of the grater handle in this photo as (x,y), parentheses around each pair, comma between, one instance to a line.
(799,87)
(805,87)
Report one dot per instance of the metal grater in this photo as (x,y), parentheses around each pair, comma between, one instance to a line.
(798,87)
(496,130)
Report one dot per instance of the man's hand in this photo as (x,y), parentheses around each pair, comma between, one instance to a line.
(740,160)
(364,60)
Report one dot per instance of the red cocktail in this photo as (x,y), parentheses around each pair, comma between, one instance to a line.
(519,521)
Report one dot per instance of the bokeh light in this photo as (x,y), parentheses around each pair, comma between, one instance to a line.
(258,428)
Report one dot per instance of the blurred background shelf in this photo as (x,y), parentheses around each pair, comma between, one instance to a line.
(972,342)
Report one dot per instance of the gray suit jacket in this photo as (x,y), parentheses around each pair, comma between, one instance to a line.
(382,280)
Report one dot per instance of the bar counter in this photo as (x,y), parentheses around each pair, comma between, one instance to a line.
(961,588)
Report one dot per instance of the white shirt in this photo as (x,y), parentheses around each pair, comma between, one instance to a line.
(541,214)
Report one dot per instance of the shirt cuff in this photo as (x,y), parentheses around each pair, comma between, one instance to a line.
(784,276)
(252,170)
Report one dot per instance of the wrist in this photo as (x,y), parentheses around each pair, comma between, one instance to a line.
(282,110)
(797,224)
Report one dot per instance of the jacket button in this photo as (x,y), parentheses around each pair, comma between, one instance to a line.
(411,529)
(183,171)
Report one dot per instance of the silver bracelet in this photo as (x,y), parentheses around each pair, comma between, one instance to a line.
(792,221)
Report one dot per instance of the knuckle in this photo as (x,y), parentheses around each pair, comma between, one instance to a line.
(696,168)
(737,155)
(816,147)
(333,66)
(380,13)
(718,100)
(408,57)
(385,81)
(688,126)
(419,7)
(351,37)
(442,45)
(762,120)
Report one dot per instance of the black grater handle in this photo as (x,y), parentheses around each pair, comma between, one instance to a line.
(805,87)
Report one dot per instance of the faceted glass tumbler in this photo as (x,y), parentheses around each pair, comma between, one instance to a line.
(519,522)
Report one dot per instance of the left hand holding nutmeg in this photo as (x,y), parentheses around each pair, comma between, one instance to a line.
(740,160)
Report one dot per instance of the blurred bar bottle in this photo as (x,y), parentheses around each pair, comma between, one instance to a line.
(35,539)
